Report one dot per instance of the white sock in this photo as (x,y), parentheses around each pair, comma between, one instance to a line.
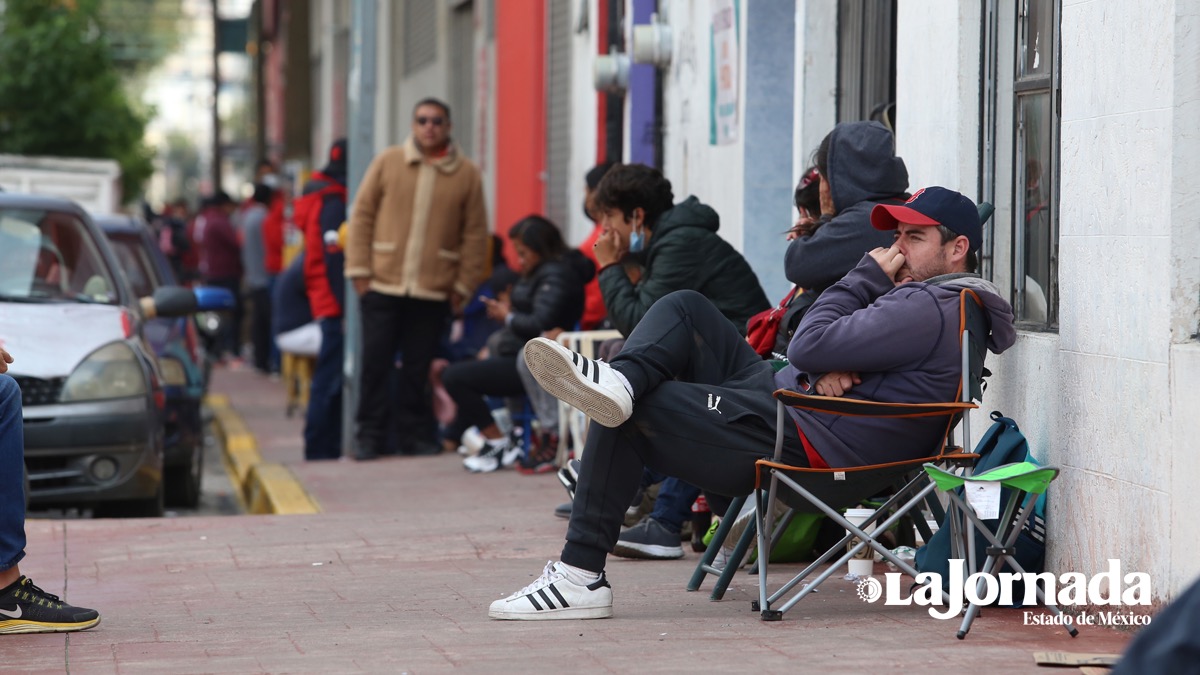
(624,381)
(578,575)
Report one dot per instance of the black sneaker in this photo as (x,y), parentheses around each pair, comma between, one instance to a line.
(569,477)
(541,456)
(25,608)
(649,539)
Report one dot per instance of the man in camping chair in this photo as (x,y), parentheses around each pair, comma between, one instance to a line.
(688,397)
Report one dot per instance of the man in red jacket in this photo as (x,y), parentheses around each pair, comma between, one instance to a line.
(319,213)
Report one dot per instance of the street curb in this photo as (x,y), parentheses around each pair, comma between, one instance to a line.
(262,487)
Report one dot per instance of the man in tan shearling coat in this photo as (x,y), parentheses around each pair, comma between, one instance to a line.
(416,247)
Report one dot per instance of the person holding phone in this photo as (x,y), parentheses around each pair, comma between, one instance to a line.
(548,297)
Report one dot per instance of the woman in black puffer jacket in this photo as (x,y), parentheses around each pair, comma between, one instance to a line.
(548,296)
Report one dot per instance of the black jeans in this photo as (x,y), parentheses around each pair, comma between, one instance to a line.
(229,341)
(413,328)
(323,421)
(468,382)
(703,412)
(260,328)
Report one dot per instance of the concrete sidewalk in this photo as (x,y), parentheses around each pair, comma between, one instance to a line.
(396,571)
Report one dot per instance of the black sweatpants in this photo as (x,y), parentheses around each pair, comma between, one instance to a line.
(702,412)
(468,382)
(414,328)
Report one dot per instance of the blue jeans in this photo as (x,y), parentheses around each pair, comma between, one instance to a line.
(12,475)
(673,505)
(323,424)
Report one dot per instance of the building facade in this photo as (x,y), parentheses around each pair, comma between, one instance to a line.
(1076,120)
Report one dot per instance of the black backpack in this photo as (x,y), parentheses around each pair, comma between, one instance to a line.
(1002,444)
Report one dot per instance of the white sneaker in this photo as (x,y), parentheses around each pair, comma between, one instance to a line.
(554,596)
(493,456)
(591,386)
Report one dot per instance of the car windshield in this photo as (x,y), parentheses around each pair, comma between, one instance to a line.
(50,256)
(134,259)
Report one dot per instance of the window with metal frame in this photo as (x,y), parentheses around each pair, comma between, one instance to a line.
(1036,114)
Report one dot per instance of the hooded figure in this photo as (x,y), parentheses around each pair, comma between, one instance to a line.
(859,169)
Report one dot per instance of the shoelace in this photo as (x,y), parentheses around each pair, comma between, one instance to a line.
(548,575)
(28,585)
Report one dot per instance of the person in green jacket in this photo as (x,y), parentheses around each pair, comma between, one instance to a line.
(679,247)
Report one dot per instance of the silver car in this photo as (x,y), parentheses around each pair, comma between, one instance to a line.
(91,387)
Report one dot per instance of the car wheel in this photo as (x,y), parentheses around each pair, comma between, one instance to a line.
(183,482)
(151,507)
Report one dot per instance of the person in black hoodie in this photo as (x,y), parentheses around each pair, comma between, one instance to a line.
(677,244)
(858,167)
(549,295)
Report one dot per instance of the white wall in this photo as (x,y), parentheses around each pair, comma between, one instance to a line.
(1111,398)
(583,119)
(816,79)
(711,172)
(937,93)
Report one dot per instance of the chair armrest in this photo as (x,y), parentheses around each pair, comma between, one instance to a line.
(851,407)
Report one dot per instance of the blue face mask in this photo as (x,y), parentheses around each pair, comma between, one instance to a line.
(636,241)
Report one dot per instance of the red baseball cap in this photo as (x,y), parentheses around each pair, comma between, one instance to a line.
(930,207)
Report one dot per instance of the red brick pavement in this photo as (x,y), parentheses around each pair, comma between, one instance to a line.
(397,572)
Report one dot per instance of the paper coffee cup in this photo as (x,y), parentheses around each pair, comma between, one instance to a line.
(862,567)
(864,561)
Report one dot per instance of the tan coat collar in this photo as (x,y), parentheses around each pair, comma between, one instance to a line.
(447,164)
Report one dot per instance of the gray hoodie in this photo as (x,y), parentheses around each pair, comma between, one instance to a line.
(903,343)
(863,171)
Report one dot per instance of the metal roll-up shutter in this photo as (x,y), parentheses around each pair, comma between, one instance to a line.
(462,74)
(420,34)
(558,111)
(866,57)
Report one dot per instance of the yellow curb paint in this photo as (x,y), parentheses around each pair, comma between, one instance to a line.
(273,489)
(263,488)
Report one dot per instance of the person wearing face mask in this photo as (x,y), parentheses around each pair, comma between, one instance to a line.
(678,245)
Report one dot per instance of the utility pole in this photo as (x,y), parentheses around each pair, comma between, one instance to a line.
(360,103)
(216,114)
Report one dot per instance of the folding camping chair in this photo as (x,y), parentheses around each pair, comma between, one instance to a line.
(1022,479)
(829,490)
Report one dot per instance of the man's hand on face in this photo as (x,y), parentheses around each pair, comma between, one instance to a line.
(360,285)
(608,248)
(5,359)
(836,383)
(890,260)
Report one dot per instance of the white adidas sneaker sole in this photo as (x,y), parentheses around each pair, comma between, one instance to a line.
(553,614)
(550,364)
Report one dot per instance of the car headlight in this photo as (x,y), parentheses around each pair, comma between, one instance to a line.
(112,371)
(173,372)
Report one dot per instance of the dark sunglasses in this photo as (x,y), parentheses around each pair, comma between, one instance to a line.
(435,121)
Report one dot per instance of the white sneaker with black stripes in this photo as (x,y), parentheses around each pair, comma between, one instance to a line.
(554,596)
(591,386)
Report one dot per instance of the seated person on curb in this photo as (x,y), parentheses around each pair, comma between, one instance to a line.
(855,167)
(679,249)
(24,608)
(548,296)
(687,396)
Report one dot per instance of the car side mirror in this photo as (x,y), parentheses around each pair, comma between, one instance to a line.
(214,299)
(169,301)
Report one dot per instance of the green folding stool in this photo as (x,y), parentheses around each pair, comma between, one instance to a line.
(1023,479)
